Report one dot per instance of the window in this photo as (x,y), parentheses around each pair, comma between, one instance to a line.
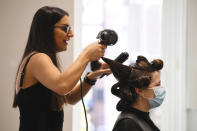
(138,25)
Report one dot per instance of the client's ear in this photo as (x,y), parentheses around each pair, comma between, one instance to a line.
(139,91)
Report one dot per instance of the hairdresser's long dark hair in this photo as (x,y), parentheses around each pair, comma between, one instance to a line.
(41,39)
(131,77)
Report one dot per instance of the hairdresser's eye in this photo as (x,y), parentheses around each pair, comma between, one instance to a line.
(65,29)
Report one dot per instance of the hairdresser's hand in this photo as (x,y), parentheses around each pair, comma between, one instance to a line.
(94,51)
(103,70)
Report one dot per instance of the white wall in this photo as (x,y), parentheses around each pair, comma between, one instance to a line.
(174,72)
(16,17)
(191,64)
(179,51)
(192,52)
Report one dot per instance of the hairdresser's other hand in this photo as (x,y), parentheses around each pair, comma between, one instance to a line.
(106,66)
(103,70)
(94,51)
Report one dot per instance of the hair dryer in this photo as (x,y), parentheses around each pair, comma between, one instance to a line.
(106,37)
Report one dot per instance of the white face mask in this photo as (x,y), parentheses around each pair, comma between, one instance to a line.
(160,93)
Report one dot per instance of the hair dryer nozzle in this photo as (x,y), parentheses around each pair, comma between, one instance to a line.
(120,71)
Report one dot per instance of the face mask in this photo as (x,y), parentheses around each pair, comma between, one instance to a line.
(159,97)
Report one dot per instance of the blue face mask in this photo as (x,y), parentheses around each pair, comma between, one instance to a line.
(160,94)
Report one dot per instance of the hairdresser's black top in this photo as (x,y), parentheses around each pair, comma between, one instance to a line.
(35,108)
(134,120)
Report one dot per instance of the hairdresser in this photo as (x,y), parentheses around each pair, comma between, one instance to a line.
(41,88)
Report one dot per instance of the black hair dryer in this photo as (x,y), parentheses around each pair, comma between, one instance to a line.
(106,37)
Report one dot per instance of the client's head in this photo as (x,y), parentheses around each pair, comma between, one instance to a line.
(137,85)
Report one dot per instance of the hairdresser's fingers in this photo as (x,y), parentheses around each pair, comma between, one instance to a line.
(97,73)
(104,65)
(106,72)
(101,71)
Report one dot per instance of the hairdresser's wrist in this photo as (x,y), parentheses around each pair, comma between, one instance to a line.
(89,80)
(85,54)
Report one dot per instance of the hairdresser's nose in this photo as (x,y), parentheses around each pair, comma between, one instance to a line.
(70,33)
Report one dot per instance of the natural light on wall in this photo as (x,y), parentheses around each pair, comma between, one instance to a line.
(138,25)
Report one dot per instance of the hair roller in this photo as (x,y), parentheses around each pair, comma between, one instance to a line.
(114,90)
(157,64)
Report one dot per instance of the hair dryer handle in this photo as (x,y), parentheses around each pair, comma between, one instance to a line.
(95,65)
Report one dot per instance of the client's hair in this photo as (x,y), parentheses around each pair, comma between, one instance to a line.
(131,77)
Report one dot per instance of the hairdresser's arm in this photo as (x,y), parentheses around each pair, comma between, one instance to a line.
(44,71)
(75,95)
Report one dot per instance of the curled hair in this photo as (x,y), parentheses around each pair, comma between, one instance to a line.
(125,90)
(143,64)
(139,77)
